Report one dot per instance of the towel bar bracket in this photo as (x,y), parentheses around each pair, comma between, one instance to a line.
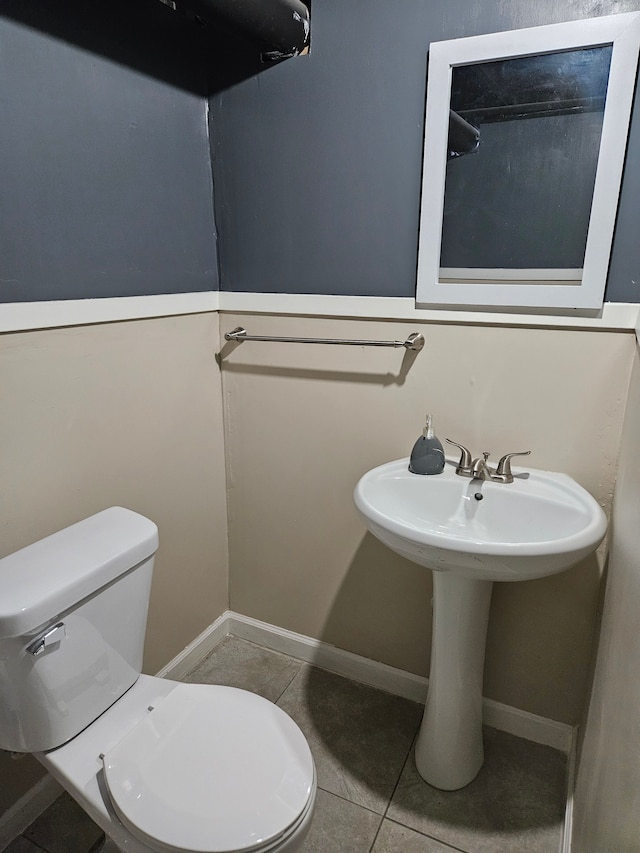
(414,342)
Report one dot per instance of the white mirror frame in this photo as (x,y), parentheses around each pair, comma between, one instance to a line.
(623,33)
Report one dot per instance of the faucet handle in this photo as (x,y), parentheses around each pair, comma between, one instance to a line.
(465,465)
(503,471)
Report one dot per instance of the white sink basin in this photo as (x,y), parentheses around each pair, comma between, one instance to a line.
(538,525)
(471,533)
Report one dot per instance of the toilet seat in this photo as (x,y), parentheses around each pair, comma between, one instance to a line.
(212,769)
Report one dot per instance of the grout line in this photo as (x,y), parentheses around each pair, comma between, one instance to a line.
(439,841)
(395,788)
(358,806)
(97,847)
(273,652)
(289,683)
(375,837)
(351,802)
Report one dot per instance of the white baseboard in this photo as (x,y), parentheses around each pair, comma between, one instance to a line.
(397,681)
(527,725)
(197,649)
(30,806)
(329,657)
(567,831)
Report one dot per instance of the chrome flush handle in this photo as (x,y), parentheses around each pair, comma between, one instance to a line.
(51,635)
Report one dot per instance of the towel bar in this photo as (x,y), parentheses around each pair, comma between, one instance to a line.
(414,342)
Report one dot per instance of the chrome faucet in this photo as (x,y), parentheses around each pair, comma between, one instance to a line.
(478,469)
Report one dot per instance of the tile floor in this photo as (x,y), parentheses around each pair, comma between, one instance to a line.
(370,798)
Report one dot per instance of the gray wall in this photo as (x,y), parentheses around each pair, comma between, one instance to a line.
(317,162)
(105,174)
(105,171)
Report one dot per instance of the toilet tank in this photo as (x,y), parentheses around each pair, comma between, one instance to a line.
(73,612)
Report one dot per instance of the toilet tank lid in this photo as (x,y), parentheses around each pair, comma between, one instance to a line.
(43,580)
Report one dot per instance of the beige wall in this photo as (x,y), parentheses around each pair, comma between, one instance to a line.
(122,413)
(607,797)
(131,413)
(304,422)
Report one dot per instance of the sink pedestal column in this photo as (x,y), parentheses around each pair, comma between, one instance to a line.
(449,749)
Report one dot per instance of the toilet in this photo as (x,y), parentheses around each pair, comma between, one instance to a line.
(157,764)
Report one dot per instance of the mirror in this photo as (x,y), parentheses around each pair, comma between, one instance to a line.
(525,138)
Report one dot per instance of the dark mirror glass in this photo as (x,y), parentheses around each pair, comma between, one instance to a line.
(524,137)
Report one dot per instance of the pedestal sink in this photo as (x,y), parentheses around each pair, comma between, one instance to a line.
(472,533)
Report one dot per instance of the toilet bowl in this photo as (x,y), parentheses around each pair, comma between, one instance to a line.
(191,767)
(161,766)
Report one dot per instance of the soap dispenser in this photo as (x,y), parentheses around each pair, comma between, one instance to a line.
(427,456)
